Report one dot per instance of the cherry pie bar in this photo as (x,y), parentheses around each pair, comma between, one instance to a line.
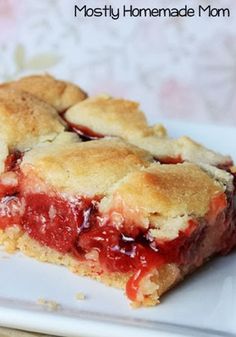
(88,184)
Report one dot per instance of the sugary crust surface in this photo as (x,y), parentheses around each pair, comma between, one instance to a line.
(223,177)
(164,190)
(118,117)
(112,117)
(3,154)
(60,94)
(195,152)
(24,119)
(184,147)
(84,168)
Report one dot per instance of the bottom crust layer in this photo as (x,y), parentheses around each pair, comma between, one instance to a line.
(13,239)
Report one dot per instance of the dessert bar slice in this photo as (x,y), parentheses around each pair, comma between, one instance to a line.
(105,209)
(131,207)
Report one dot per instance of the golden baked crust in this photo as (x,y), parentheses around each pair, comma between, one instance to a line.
(224,177)
(112,117)
(118,117)
(24,119)
(60,94)
(3,154)
(183,147)
(163,191)
(84,168)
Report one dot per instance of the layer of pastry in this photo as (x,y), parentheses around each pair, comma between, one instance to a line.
(84,168)
(60,94)
(113,117)
(166,277)
(118,117)
(25,120)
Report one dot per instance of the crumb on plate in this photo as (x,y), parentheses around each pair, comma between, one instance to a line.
(50,305)
(80,296)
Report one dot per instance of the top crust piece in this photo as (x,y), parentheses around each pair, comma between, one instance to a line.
(168,190)
(60,94)
(117,117)
(113,117)
(25,120)
(86,169)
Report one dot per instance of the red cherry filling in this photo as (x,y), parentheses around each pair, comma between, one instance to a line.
(13,160)
(10,205)
(54,221)
(10,211)
(7,190)
(117,253)
(75,226)
(84,132)
(170,160)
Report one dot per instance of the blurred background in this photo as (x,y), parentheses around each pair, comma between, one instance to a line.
(181,68)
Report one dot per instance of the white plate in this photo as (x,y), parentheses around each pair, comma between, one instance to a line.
(203,305)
